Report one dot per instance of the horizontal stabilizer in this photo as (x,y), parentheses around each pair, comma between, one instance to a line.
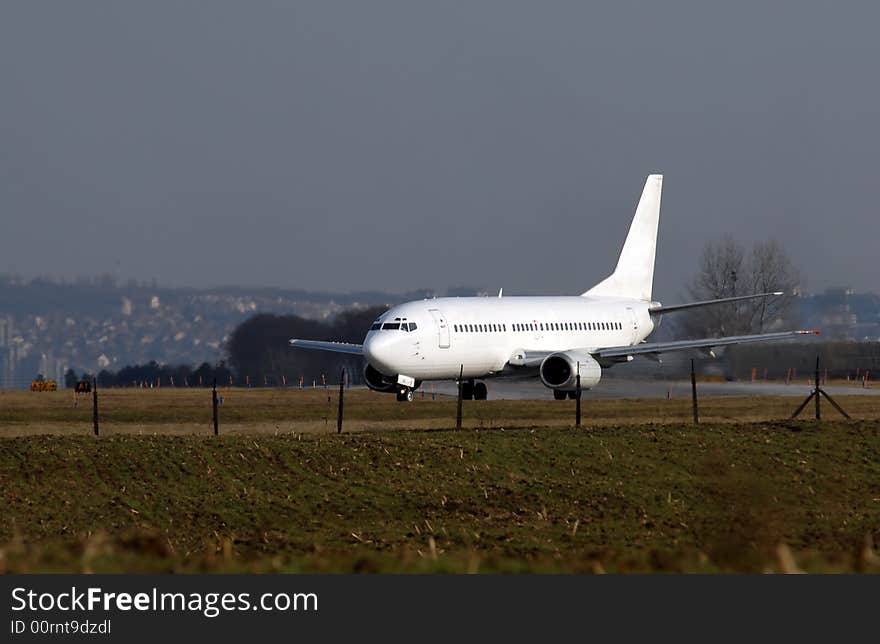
(723,300)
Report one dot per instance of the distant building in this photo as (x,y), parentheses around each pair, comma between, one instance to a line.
(843,314)
(8,358)
(52,368)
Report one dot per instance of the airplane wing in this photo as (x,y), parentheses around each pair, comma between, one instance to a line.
(692,305)
(337,347)
(654,348)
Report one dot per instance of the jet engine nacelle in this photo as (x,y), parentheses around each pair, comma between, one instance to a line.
(559,370)
(378,381)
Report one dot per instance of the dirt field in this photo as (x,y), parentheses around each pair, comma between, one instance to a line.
(637,489)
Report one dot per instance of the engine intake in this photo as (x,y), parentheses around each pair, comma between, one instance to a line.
(377,381)
(559,370)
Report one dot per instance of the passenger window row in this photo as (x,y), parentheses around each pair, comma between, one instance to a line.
(539,326)
(480,328)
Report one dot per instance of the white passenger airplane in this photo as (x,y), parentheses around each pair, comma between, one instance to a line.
(555,338)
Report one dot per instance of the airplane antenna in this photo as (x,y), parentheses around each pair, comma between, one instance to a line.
(500,291)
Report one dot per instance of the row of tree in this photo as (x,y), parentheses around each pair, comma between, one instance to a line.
(777,361)
(153,374)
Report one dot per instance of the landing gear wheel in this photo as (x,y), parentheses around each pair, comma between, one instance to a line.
(560,395)
(467,390)
(573,395)
(404,394)
(481,392)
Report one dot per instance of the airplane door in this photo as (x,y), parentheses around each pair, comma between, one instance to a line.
(442,328)
(634,320)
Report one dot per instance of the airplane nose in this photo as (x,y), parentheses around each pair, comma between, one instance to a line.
(378,352)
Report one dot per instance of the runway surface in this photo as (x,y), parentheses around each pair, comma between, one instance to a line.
(631,388)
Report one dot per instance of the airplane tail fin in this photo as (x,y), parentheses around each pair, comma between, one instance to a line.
(634,275)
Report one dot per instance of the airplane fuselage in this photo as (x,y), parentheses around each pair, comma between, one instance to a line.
(479,335)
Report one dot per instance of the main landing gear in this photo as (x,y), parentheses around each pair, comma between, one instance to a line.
(404,394)
(471,390)
(562,395)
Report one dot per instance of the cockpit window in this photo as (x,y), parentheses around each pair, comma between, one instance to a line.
(376,326)
(412,326)
(391,326)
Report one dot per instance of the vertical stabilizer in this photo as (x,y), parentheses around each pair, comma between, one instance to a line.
(634,275)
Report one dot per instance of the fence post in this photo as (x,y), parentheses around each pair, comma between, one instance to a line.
(577,397)
(214,407)
(694,393)
(458,410)
(341,396)
(818,391)
(95,404)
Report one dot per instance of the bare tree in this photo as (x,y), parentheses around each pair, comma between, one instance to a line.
(727,270)
(771,270)
(720,267)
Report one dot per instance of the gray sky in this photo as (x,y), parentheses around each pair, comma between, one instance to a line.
(398,145)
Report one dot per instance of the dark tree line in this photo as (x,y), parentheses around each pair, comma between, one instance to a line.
(841,360)
(259,353)
(153,374)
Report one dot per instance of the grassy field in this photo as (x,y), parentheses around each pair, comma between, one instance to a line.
(188,411)
(636,489)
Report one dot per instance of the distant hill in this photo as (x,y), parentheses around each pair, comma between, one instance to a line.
(47,326)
